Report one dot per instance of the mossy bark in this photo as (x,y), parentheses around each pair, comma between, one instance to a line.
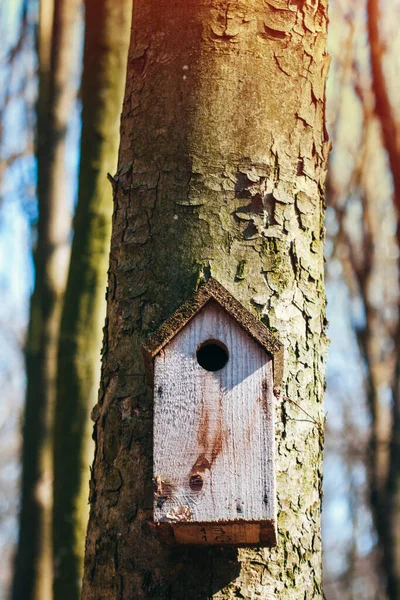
(33,566)
(221,172)
(105,57)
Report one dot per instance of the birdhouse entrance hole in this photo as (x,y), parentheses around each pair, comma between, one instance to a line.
(212,355)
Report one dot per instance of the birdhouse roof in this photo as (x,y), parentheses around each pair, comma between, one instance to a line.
(214,291)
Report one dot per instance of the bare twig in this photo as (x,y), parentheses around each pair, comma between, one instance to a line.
(280,396)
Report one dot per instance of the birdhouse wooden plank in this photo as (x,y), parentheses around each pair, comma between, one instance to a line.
(214,367)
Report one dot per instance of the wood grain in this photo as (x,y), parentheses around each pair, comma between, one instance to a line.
(214,435)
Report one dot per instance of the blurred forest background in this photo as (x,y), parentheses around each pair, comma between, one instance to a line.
(62,171)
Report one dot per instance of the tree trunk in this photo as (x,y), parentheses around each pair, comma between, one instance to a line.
(386,505)
(105,55)
(221,172)
(33,569)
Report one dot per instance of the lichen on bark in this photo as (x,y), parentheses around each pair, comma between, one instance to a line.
(221,173)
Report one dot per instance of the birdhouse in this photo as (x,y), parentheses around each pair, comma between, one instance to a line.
(214,367)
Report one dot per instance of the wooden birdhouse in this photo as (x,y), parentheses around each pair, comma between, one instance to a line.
(214,367)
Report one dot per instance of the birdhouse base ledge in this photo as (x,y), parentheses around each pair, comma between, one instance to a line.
(245,533)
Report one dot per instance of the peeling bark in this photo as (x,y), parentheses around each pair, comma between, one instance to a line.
(221,172)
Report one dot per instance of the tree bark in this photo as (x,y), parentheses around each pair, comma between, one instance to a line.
(221,172)
(105,56)
(33,568)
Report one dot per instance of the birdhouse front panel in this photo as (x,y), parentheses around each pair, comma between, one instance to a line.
(214,480)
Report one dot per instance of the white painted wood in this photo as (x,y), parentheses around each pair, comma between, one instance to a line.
(215,425)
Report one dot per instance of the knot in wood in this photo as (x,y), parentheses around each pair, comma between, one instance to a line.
(196,482)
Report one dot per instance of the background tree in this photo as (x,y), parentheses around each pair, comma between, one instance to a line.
(364,196)
(33,570)
(17,74)
(105,54)
(386,503)
(221,172)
